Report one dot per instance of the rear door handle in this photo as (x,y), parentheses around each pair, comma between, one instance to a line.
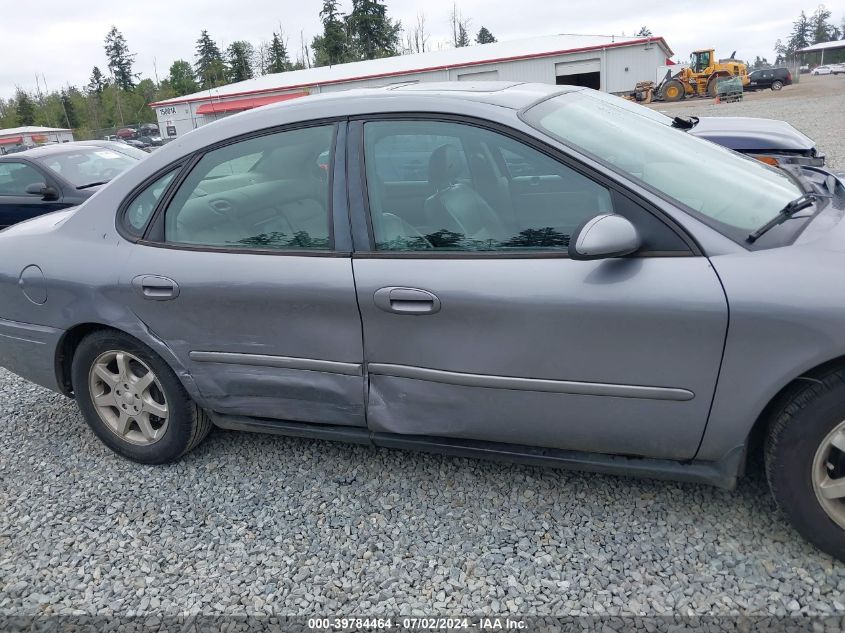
(406,300)
(155,287)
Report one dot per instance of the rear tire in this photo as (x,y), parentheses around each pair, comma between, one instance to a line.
(805,462)
(673,90)
(777,85)
(133,401)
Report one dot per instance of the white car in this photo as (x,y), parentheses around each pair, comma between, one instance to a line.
(832,69)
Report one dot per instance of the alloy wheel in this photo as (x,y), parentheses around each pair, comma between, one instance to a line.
(128,397)
(829,474)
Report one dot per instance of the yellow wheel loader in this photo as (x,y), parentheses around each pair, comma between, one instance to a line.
(701,77)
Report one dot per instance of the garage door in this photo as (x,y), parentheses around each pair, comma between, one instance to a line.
(578,67)
(584,72)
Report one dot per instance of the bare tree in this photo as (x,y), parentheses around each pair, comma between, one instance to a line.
(460,28)
(416,38)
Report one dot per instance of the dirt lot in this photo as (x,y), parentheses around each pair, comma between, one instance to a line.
(816,106)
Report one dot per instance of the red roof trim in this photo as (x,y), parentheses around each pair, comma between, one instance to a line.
(429,69)
(245,104)
(11,140)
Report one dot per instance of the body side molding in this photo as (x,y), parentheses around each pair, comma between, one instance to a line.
(285,362)
(530,384)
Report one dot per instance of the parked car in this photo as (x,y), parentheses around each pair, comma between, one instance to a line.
(53,177)
(149,129)
(134,142)
(774,142)
(837,69)
(637,300)
(127,133)
(149,141)
(821,70)
(773,78)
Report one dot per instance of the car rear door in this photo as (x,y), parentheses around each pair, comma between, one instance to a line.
(16,205)
(478,326)
(249,282)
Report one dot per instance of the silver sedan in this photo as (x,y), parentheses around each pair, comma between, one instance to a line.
(530,272)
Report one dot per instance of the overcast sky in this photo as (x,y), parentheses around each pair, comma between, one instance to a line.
(62,40)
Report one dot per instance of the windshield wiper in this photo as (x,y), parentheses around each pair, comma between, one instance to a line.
(799,204)
(685,122)
(92,184)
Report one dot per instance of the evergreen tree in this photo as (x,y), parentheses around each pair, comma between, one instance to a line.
(24,108)
(119,59)
(463,37)
(97,82)
(820,30)
(68,109)
(181,78)
(484,36)
(240,56)
(278,60)
(801,34)
(209,66)
(643,32)
(373,34)
(332,47)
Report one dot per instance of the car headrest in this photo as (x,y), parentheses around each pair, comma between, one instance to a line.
(444,167)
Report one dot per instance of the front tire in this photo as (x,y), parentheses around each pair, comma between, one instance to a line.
(777,85)
(133,401)
(673,90)
(805,461)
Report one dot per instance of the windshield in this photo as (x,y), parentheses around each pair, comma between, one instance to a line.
(728,191)
(86,166)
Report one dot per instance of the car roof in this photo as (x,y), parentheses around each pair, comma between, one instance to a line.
(54,148)
(63,148)
(435,97)
(494,100)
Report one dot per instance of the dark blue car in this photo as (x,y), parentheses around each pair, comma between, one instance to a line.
(54,177)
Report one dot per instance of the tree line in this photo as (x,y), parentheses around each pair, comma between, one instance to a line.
(116,95)
(806,31)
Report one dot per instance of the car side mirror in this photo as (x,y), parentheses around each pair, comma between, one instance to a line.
(603,236)
(42,189)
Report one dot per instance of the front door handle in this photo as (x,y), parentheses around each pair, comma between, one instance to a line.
(155,287)
(406,300)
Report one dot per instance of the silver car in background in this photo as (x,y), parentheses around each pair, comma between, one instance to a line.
(531,272)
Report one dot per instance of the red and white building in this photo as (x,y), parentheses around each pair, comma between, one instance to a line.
(606,63)
(30,136)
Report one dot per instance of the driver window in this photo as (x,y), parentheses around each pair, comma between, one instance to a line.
(16,177)
(269,192)
(451,186)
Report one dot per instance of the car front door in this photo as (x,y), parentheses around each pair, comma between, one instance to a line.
(477,325)
(16,205)
(243,274)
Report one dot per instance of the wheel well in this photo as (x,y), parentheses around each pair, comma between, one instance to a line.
(757,435)
(67,348)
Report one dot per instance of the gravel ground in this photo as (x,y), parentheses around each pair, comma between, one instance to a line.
(252,524)
(816,106)
(259,524)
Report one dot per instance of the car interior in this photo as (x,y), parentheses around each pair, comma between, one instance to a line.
(266,192)
(445,185)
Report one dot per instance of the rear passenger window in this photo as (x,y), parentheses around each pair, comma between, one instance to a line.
(269,192)
(138,212)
